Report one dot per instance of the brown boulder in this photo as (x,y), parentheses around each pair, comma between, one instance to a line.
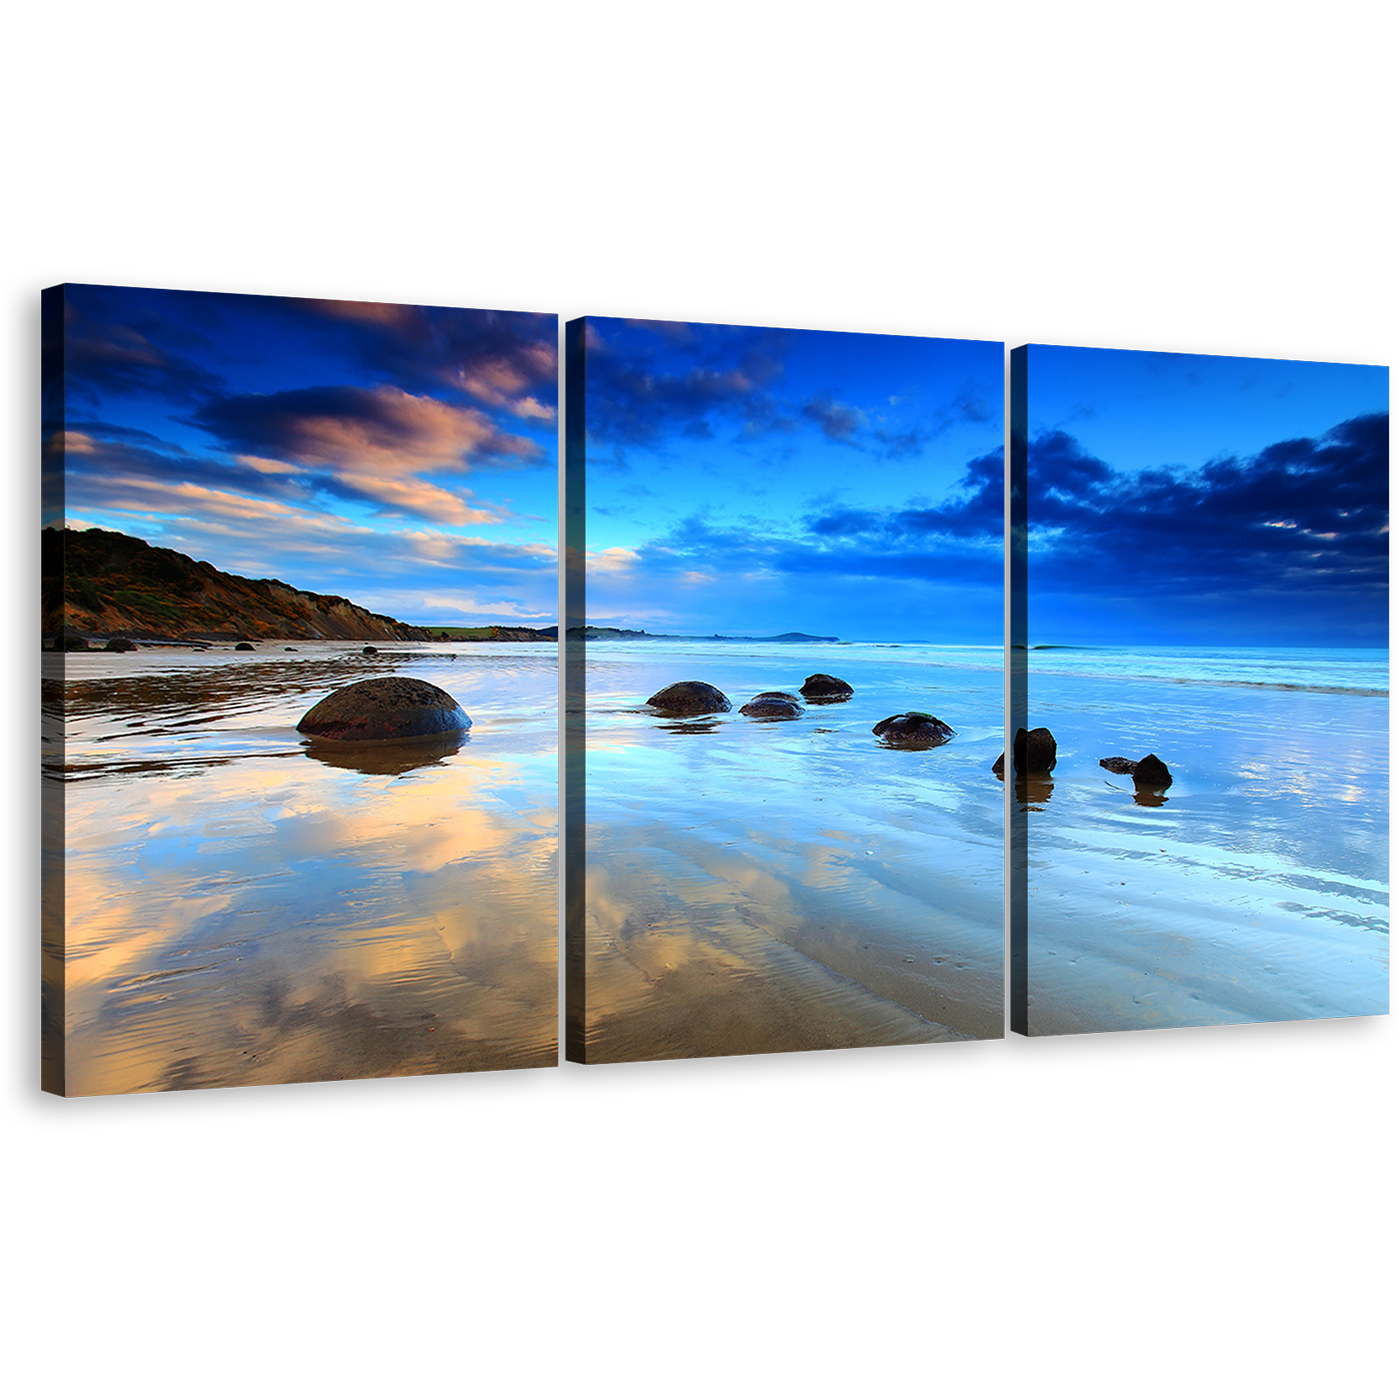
(1032,752)
(1152,772)
(914,730)
(388,707)
(773,704)
(822,689)
(1146,772)
(690,698)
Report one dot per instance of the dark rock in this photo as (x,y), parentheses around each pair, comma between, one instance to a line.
(119,644)
(1152,772)
(388,707)
(370,651)
(245,646)
(1032,752)
(69,640)
(1118,765)
(826,690)
(690,698)
(288,648)
(914,730)
(1146,772)
(773,704)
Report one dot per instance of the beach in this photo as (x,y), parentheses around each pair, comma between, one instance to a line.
(241,907)
(1255,887)
(767,885)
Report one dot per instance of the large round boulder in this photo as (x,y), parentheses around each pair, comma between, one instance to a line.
(914,730)
(690,698)
(244,646)
(370,651)
(822,689)
(773,704)
(69,639)
(119,644)
(388,707)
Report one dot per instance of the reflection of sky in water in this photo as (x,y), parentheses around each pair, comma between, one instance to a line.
(768,886)
(239,912)
(1258,890)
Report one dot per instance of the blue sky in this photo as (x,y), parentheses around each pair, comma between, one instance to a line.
(1206,500)
(748,480)
(402,456)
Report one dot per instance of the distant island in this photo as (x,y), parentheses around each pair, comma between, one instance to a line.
(104,584)
(627,634)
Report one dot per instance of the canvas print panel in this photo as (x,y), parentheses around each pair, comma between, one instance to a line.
(300,585)
(1203,678)
(784,659)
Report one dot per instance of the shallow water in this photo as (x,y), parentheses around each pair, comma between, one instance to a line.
(242,907)
(761,885)
(1255,887)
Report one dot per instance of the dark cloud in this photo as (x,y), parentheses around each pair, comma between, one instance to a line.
(976,513)
(1302,514)
(126,358)
(505,359)
(633,399)
(907,444)
(839,422)
(372,430)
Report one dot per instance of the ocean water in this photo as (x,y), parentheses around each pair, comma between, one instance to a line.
(1256,886)
(763,885)
(237,906)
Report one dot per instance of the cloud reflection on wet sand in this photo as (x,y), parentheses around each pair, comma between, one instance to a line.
(274,920)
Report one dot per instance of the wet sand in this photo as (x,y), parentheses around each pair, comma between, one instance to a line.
(243,908)
(1254,888)
(756,886)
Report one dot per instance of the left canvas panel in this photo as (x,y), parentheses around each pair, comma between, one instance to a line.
(300,690)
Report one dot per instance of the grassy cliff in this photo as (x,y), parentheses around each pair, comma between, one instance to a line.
(104,584)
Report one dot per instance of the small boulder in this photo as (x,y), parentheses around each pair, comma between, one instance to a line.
(388,707)
(1152,772)
(119,644)
(1032,752)
(245,646)
(370,651)
(773,704)
(690,698)
(914,730)
(1146,772)
(825,690)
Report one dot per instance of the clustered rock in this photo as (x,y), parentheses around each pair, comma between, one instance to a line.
(916,729)
(1033,754)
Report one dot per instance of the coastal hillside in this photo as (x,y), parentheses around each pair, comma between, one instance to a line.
(101,583)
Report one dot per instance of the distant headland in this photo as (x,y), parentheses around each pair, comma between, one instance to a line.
(104,584)
(627,634)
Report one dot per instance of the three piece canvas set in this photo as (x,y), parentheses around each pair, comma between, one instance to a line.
(303,705)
